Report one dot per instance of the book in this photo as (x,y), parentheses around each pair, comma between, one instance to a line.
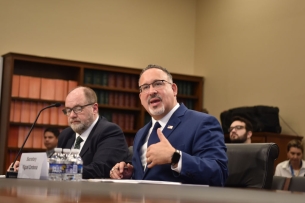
(45,114)
(25,112)
(53,116)
(38,108)
(62,118)
(71,85)
(33,111)
(13,136)
(17,111)
(47,91)
(60,90)
(88,76)
(37,135)
(24,83)
(34,87)
(21,136)
(15,85)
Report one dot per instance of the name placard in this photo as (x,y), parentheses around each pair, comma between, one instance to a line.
(33,166)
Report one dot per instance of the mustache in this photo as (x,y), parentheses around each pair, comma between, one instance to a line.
(153,97)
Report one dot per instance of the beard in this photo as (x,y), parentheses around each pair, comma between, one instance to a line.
(156,111)
(82,126)
(241,139)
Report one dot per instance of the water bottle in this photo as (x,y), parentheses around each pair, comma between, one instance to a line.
(79,162)
(66,164)
(55,165)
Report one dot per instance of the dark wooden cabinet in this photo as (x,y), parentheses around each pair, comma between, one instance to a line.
(116,88)
(280,139)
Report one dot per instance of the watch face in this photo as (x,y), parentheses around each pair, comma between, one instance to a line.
(176,157)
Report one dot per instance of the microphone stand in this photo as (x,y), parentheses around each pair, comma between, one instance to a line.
(11,173)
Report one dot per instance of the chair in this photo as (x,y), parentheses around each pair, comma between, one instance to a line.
(297,184)
(251,165)
(280,183)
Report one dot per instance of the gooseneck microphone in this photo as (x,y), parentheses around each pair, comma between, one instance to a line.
(11,173)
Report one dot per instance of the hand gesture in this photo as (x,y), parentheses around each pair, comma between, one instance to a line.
(159,153)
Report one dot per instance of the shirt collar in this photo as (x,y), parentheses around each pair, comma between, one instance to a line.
(163,121)
(85,134)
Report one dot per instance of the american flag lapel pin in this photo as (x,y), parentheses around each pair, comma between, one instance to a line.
(170,127)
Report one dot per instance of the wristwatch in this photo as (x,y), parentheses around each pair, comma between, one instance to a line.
(175,157)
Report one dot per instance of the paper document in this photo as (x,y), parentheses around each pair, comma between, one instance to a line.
(134,181)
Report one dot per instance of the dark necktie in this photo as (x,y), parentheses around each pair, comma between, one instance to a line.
(77,143)
(153,138)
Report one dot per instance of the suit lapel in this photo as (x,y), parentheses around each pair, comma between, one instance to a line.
(88,140)
(139,146)
(71,141)
(171,126)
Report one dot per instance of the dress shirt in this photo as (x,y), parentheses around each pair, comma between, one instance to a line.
(283,169)
(84,135)
(163,123)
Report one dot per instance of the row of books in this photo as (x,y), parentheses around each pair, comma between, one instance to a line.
(119,99)
(17,135)
(110,79)
(185,88)
(190,104)
(41,88)
(26,112)
(124,120)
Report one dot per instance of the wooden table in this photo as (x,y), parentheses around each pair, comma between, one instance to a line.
(32,191)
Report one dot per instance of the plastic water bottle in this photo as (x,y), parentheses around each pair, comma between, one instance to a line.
(66,164)
(79,162)
(55,165)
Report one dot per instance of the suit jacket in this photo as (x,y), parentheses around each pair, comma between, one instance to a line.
(200,138)
(104,147)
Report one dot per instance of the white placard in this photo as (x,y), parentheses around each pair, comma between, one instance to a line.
(33,166)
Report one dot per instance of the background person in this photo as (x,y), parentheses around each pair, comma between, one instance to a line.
(240,130)
(50,140)
(294,166)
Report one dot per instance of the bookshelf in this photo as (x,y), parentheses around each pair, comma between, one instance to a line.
(30,83)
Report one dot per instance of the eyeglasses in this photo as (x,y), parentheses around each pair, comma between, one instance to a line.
(76,109)
(157,84)
(238,127)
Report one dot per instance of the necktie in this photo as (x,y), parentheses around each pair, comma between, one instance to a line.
(77,143)
(153,138)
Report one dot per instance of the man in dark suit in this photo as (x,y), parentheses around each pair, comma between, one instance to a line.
(187,147)
(101,143)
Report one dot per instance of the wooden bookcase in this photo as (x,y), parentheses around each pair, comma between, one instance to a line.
(116,88)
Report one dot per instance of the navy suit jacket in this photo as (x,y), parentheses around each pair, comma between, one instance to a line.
(200,138)
(104,147)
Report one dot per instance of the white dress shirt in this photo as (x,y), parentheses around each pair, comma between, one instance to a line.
(84,135)
(163,123)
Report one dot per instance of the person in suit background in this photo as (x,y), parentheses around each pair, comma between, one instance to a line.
(101,143)
(294,166)
(188,146)
(50,140)
(240,130)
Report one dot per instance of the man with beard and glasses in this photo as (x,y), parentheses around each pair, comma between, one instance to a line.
(240,130)
(186,146)
(101,143)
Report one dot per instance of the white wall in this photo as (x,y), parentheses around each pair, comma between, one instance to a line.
(251,52)
(132,33)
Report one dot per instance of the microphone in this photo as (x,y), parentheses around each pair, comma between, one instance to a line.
(11,173)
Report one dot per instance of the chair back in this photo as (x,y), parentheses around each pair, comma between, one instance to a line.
(280,183)
(297,184)
(251,165)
